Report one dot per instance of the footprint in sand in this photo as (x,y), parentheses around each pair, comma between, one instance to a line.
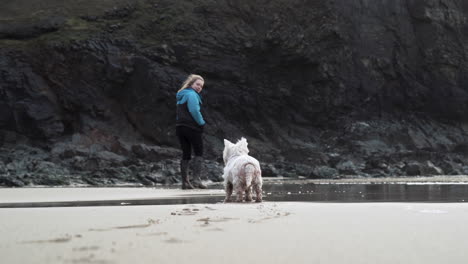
(149,223)
(154,234)
(277,215)
(186,211)
(89,260)
(173,240)
(91,248)
(206,221)
(216,229)
(55,240)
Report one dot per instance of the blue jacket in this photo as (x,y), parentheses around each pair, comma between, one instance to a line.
(189,101)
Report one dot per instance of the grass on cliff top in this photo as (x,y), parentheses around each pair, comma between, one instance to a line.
(150,21)
(73,12)
(17,9)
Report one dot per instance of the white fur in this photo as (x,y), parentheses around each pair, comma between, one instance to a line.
(242,172)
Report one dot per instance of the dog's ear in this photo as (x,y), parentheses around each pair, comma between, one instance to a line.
(244,141)
(227,142)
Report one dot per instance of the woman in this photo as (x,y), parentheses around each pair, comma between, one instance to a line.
(189,129)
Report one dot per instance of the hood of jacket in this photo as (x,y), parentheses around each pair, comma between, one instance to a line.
(182,96)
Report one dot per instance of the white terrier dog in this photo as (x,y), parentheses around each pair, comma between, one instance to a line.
(241,172)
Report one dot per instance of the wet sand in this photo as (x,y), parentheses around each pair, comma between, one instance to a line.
(24,195)
(408,189)
(270,232)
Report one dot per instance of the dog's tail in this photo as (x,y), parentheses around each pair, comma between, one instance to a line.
(249,171)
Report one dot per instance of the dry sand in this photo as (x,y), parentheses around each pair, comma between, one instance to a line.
(271,232)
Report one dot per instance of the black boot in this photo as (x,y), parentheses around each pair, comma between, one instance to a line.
(184,172)
(196,169)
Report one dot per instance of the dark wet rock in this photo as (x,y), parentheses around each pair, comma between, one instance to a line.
(172,180)
(413,169)
(268,170)
(289,169)
(156,178)
(302,170)
(52,180)
(85,163)
(214,171)
(430,169)
(324,172)
(461,148)
(97,179)
(333,159)
(154,153)
(374,163)
(372,147)
(171,168)
(451,167)
(10,181)
(3,168)
(145,180)
(46,167)
(348,168)
(111,157)
(117,174)
(393,171)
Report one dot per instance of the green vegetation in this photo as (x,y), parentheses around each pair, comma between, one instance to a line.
(148,22)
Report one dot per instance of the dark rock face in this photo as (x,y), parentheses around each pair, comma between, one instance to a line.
(410,55)
(320,89)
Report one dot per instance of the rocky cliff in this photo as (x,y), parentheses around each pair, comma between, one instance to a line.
(327,88)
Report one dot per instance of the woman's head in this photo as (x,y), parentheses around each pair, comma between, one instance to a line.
(194,81)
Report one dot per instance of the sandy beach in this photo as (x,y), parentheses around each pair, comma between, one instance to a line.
(270,232)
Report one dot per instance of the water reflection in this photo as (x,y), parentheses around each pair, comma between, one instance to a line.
(299,191)
(368,192)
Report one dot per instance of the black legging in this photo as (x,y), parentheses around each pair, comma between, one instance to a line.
(189,138)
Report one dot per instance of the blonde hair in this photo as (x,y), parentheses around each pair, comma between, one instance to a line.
(190,80)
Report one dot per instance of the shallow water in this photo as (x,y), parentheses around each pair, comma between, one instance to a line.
(408,192)
(301,192)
